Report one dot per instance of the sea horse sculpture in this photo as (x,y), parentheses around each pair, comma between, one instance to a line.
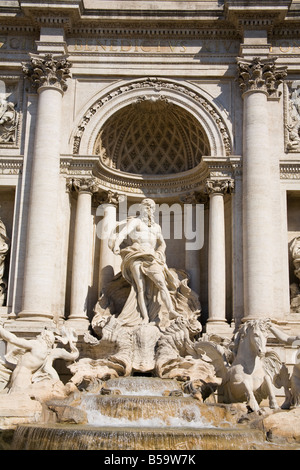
(253,371)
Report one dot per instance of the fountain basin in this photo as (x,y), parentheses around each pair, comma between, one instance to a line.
(75,437)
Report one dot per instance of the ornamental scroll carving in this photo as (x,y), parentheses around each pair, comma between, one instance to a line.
(48,71)
(260,75)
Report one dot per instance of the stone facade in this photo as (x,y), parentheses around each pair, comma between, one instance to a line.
(188,103)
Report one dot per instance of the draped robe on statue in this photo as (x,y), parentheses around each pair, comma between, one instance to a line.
(152,263)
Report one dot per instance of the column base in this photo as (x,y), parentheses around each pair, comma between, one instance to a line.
(78,323)
(219,327)
(32,315)
(28,328)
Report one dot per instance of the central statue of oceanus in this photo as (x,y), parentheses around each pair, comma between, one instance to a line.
(147,316)
(154,287)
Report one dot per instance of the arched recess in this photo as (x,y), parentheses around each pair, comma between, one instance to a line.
(186,96)
(151,138)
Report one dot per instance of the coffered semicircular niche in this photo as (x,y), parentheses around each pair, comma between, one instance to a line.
(151,137)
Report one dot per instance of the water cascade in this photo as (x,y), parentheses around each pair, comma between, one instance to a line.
(142,413)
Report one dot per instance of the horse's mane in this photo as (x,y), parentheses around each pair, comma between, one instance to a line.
(244,330)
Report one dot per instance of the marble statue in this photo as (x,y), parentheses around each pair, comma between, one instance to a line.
(295,287)
(144,267)
(4,247)
(251,372)
(33,358)
(8,121)
(143,312)
(293,124)
(177,357)
(292,384)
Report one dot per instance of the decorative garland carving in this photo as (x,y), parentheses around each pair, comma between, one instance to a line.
(157,85)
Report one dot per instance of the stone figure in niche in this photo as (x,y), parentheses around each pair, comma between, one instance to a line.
(4,247)
(293,118)
(295,287)
(8,121)
(32,359)
(154,287)
(292,382)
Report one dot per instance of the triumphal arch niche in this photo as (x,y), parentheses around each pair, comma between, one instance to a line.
(160,139)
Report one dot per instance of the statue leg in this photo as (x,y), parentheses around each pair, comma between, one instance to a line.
(251,400)
(165,294)
(140,287)
(272,399)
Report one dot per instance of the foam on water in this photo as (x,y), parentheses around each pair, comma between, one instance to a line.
(95,418)
(142,386)
(143,411)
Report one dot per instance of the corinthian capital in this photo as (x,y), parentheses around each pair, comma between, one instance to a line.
(219,186)
(110,198)
(83,185)
(48,71)
(260,75)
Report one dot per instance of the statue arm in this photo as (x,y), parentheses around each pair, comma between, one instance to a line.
(161,245)
(60,353)
(131,224)
(283,337)
(13,339)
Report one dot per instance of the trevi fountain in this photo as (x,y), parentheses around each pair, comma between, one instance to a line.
(149,225)
(145,376)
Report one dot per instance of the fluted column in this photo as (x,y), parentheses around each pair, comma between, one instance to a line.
(216,251)
(82,262)
(107,264)
(259,80)
(48,75)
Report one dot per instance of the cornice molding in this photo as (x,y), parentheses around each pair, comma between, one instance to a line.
(134,185)
(290,170)
(11,165)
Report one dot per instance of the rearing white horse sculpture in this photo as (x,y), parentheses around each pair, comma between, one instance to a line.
(250,375)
